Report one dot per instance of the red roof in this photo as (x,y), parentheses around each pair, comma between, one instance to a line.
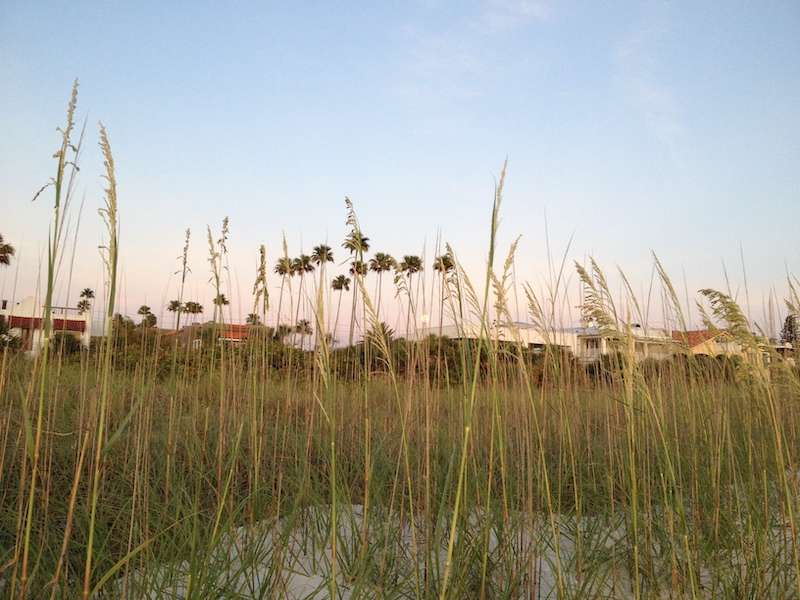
(696,337)
(36,323)
(235,332)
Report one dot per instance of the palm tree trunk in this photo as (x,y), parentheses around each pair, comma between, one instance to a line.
(410,303)
(280,302)
(353,312)
(379,294)
(319,317)
(299,301)
(338,308)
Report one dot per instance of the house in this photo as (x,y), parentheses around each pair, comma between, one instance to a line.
(534,338)
(587,344)
(513,333)
(25,321)
(192,334)
(719,342)
(591,343)
(234,333)
(707,342)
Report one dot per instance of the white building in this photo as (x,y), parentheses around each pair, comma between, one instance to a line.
(25,321)
(516,332)
(591,343)
(587,344)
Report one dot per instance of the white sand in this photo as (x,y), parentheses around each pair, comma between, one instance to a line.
(293,560)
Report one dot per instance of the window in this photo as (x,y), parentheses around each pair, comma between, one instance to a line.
(592,344)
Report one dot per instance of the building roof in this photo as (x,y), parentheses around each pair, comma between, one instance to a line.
(697,336)
(58,324)
(235,332)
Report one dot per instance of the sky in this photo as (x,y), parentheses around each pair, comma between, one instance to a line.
(629,128)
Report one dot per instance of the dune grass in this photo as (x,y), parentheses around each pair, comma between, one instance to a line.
(398,469)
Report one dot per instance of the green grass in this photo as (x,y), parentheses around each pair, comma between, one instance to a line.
(725,509)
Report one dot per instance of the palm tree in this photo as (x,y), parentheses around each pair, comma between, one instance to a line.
(443,265)
(379,331)
(175,306)
(6,252)
(193,308)
(301,265)
(282,331)
(219,302)
(283,268)
(358,268)
(86,300)
(321,255)
(380,263)
(410,265)
(357,244)
(303,327)
(253,319)
(293,270)
(341,284)
(143,311)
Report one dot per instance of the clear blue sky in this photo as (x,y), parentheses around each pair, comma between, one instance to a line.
(671,126)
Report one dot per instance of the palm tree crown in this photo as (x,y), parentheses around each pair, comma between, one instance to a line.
(379,331)
(303,327)
(148,318)
(322,254)
(175,306)
(358,267)
(302,264)
(193,308)
(87,293)
(221,300)
(6,252)
(341,283)
(443,264)
(283,266)
(282,331)
(356,242)
(410,264)
(382,262)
